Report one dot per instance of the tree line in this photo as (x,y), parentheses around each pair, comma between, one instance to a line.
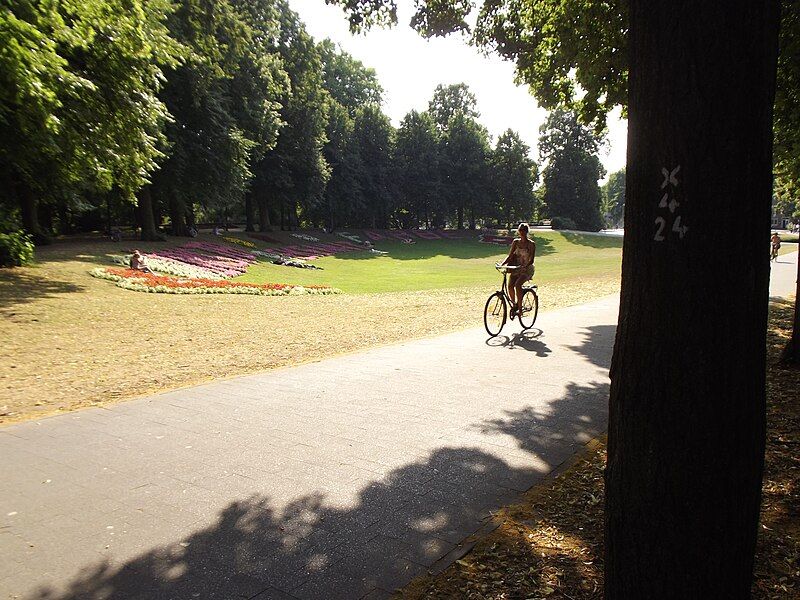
(159,112)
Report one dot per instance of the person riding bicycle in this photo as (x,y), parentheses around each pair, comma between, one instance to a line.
(522,255)
(776,244)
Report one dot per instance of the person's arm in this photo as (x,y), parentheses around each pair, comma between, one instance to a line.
(533,253)
(510,253)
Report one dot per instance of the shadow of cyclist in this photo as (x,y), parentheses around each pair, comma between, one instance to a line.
(527,340)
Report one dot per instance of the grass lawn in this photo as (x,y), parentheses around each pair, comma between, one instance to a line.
(70,340)
(439,264)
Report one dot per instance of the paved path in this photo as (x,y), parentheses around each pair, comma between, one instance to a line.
(783,278)
(339,479)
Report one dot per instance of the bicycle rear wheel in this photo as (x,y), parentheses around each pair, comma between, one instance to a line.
(530,308)
(494,314)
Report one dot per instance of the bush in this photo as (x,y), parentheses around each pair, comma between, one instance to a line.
(562,223)
(16,249)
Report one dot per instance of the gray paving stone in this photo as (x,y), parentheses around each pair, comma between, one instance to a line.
(338,479)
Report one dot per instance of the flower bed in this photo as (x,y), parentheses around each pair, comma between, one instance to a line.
(312,251)
(218,249)
(264,238)
(374,235)
(403,236)
(352,237)
(240,242)
(426,234)
(169,266)
(502,240)
(305,236)
(222,261)
(220,265)
(131,279)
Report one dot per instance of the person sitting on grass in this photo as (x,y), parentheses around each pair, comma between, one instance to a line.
(138,264)
(522,255)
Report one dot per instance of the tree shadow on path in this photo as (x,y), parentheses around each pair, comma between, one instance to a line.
(411,520)
(401,525)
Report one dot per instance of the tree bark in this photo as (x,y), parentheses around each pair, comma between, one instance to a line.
(146,219)
(177,216)
(29,212)
(249,212)
(264,223)
(687,406)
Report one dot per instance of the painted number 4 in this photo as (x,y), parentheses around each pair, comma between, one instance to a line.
(678,228)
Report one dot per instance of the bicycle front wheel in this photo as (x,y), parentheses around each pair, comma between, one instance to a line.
(530,309)
(494,314)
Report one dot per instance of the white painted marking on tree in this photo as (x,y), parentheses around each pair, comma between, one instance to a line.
(659,237)
(669,176)
(671,182)
(678,228)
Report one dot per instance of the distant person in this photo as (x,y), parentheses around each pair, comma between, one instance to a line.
(138,263)
(522,255)
(776,245)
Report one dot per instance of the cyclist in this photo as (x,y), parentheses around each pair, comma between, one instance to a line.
(776,245)
(522,254)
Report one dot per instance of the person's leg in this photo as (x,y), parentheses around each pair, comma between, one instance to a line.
(512,291)
(518,284)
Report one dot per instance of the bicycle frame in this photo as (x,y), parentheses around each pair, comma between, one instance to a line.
(507,270)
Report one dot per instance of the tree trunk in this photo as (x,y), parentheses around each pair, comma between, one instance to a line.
(29,212)
(791,353)
(177,216)
(460,214)
(264,223)
(687,407)
(249,212)
(146,219)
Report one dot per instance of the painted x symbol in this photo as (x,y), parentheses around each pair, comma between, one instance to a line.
(669,176)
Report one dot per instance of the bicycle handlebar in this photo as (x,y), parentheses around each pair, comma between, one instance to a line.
(506,268)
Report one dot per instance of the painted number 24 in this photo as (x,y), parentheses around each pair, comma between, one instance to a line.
(676,227)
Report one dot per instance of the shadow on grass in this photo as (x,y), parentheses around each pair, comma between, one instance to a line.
(18,287)
(405,523)
(594,241)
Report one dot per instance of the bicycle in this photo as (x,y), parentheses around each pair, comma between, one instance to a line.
(496,310)
(773,255)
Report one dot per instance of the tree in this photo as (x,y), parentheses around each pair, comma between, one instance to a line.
(465,168)
(351,86)
(514,174)
(343,196)
(613,193)
(347,80)
(417,159)
(573,170)
(294,173)
(451,100)
(687,406)
(225,99)
(374,137)
(787,142)
(78,105)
